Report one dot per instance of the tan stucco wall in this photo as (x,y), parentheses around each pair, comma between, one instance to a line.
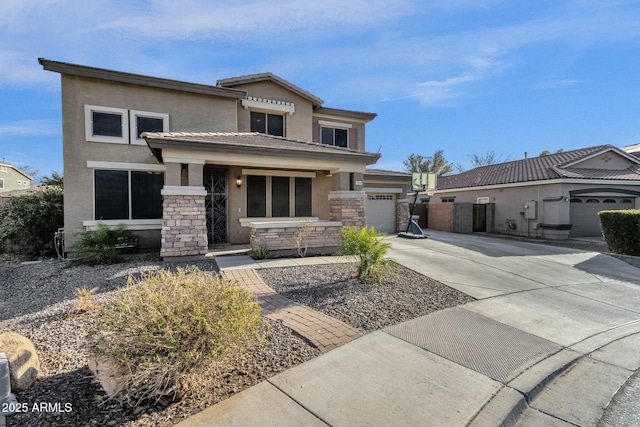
(297,125)
(192,112)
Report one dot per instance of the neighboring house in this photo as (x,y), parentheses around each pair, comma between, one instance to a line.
(555,196)
(12,178)
(188,165)
(632,149)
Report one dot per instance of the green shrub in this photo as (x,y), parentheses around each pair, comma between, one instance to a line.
(621,230)
(166,327)
(367,244)
(29,222)
(102,245)
(262,252)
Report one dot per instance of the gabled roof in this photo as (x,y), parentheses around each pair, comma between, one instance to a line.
(138,79)
(21,172)
(270,77)
(387,173)
(251,143)
(553,166)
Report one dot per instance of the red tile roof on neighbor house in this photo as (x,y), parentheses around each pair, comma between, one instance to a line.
(552,166)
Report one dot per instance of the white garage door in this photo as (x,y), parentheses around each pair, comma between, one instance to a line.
(380,210)
(584,213)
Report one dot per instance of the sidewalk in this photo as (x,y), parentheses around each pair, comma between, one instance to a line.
(551,339)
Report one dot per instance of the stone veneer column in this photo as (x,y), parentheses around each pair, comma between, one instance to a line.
(403,209)
(347,207)
(184,226)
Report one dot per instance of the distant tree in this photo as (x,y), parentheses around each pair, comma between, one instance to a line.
(547,152)
(487,158)
(433,164)
(55,180)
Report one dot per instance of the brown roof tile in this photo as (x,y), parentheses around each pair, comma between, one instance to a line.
(537,169)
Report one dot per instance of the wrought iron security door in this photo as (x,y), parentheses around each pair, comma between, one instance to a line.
(215,182)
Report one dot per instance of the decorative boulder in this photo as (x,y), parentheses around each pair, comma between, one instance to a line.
(24,364)
(109,376)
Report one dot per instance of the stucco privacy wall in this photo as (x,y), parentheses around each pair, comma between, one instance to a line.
(187,112)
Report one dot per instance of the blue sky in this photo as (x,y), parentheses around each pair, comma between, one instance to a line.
(465,76)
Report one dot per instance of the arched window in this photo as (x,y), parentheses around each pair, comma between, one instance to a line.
(608,201)
(626,201)
(593,201)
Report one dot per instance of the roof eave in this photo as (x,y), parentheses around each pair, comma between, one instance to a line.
(158,144)
(138,79)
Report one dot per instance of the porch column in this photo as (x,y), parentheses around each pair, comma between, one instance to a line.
(346,200)
(184,225)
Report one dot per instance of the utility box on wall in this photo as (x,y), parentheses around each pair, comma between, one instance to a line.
(530,209)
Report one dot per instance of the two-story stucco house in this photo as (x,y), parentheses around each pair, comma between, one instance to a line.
(12,178)
(189,165)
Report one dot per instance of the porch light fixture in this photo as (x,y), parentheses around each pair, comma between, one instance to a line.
(239,182)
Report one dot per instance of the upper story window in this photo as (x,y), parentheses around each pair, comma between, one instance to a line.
(106,124)
(3,169)
(271,124)
(121,126)
(333,136)
(335,133)
(1,183)
(146,121)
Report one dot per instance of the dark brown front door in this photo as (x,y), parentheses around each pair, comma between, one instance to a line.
(479,218)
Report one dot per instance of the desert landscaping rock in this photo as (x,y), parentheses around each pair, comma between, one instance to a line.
(58,333)
(334,290)
(24,364)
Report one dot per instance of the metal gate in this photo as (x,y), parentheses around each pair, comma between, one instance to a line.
(479,217)
(215,182)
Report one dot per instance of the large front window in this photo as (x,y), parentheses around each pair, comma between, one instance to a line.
(271,124)
(278,196)
(128,194)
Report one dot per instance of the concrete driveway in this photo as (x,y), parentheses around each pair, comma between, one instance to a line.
(553,336)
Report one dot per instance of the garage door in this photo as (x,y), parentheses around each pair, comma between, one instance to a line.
(584,213)
(380,211)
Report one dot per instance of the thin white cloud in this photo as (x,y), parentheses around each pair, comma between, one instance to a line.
(30,128)
(559,83)
(165,19)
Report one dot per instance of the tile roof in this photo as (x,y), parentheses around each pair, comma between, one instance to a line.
(553,166)
(258,142)
(382,172)
(260,77)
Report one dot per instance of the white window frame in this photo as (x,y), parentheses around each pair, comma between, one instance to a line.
(19,182)
(88,124)
(133,116)
(3,169)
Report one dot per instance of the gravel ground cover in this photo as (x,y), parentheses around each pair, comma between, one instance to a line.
(334,290)
(37,302)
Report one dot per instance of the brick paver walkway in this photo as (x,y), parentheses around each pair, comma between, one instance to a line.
(324,332)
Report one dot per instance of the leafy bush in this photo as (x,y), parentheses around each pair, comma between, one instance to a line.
(262,252)
(102,245)
(367,244)
(165,327)
(29,222)
(621,230)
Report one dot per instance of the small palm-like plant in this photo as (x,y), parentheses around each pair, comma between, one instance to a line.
(101,246)
(368,246)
